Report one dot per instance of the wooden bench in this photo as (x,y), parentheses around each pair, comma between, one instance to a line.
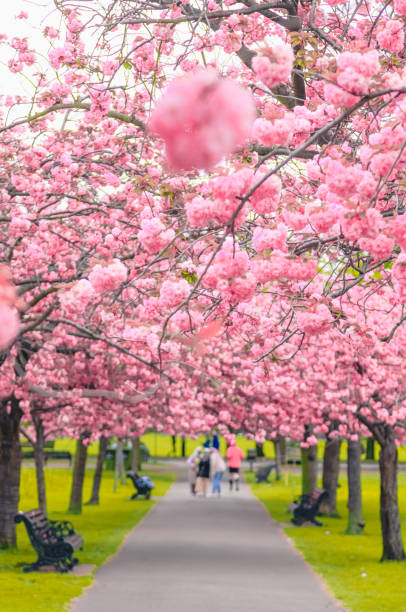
(54,541)
(308,506)
(293,455)
(50,455)
(262,474)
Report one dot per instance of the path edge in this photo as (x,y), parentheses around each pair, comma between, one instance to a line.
(292,545)
(70,607)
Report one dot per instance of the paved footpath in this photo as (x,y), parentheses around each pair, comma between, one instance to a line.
(200,555)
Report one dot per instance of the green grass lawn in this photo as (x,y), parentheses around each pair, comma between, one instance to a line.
(349,564)
(102,527)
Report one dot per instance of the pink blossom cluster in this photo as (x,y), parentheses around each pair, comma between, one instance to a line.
(76,299)
(272,132)
(24,55)
(355,70)
(108,278)
(314,322)
(400,6)
(266,197)
(154,236)
(399,277)
(173,292)
(230,262)
(62,55)
(275,65)
(277,266)
(201,118)
(229,274)
(9,319)
(391,36)
(264,239)
(199,211)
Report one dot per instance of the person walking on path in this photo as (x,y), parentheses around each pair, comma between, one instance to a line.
(216,442)
(234,456)
(203,473)
(217,468)
(193,463)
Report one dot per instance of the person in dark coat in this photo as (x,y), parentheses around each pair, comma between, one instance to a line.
(203,473)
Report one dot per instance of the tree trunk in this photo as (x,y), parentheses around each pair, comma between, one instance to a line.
(78,476)
(389,509)
(309,469)
(331,469)
(95,496)
(183,447)
(136,462)
(260,449)
(309,464)
(277,447)
(355,518)
(10,466)
(174,445)
(40,463)
(282,448)
(119,469)
(370,454)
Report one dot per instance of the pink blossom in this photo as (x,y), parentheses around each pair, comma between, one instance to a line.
(341,179)
(264,239)
(278,131)
(9,324)
(338,96)
(380,247)
(392,36)
(355,71)
(266,197)
(202,118)
(108,278)
(315,322)
(110,66)
(199,211)
(275,65)
(400,6)
(173,292)
(78,297)
(153,236)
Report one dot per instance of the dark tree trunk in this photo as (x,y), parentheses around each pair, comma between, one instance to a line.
(10,466)
(277,447)
(260,449)
(355,518)
(282,448)
(174,446)
(331,469)
(136,462)
(370,454)
(183,446)
(309,464)
(78,476)
(95,496)
(39,459)
(389,508)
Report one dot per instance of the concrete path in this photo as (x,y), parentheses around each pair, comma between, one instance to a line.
(205,555)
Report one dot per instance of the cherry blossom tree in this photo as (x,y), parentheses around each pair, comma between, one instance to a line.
(186,176)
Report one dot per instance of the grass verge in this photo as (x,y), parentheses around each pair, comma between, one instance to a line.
(348,564)
(103,529)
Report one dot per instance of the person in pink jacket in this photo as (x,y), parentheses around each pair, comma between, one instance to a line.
(234,456)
